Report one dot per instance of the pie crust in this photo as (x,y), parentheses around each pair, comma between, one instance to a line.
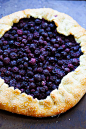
(72,87)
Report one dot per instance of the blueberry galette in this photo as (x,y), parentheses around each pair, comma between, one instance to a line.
(42,62)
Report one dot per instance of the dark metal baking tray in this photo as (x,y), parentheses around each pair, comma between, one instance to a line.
(75,118)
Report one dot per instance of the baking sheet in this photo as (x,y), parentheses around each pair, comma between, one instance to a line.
(75,118)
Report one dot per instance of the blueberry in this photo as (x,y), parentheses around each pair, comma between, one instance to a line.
(36,94)
(11,36)
(43,83)
(37,28)
(48,93)
(7,73)
(48,29)
(27,91)
(22,72)
(42,96)
(26,78)
(37,21)
(15,28)
(51,25)
(46,88)
(60,74)
(1,51)
(44,34)
(54,87)
(1,63)
(18,77)
(25,59)
(77,54)
(75,61)
(31,80)
(5,42)
(69,44)
(32,61)
(19,39)
(18,85)
(43,77)
(45,43)
(3,70)
(9,68)
(60,62)
(67,50)
(6,35)
(31,23)
(22,90)
(24,41)
(13,55)
(32,29)
(46,72)
(30,73)
(53,51)
(52,78)
(41,58)
(36,35)
(59,40)
(6,60)
(13,63)
(47,38)
(63,53)
(20,54)
(15,69)
(29,68)
(19,32)
(44,53)
(39,69)
(13,32)
(70,66)
(40,41)
(30,37)
(24,84)
(12,82)
(32,91)
(68,57)
(56,45)
(42,49)
(7,80)
(32,47)
(24,36)
(37,52)
(42,89)
(44,25)
(15,36)
(37,77)
(32,85)
(57,81)
(25,64)
(50,34)
(51,59)
(49,68)
(60,49)
(5,54)
(41,30)
(53,40)
(67,70)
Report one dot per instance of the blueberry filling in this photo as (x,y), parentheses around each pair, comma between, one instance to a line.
(34,57)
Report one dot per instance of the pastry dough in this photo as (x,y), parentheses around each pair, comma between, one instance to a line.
(72,87)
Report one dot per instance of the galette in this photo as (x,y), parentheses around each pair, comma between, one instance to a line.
(42,62)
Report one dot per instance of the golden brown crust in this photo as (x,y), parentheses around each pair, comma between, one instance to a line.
(73,85)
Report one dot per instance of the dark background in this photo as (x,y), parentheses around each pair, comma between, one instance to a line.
(75,118)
